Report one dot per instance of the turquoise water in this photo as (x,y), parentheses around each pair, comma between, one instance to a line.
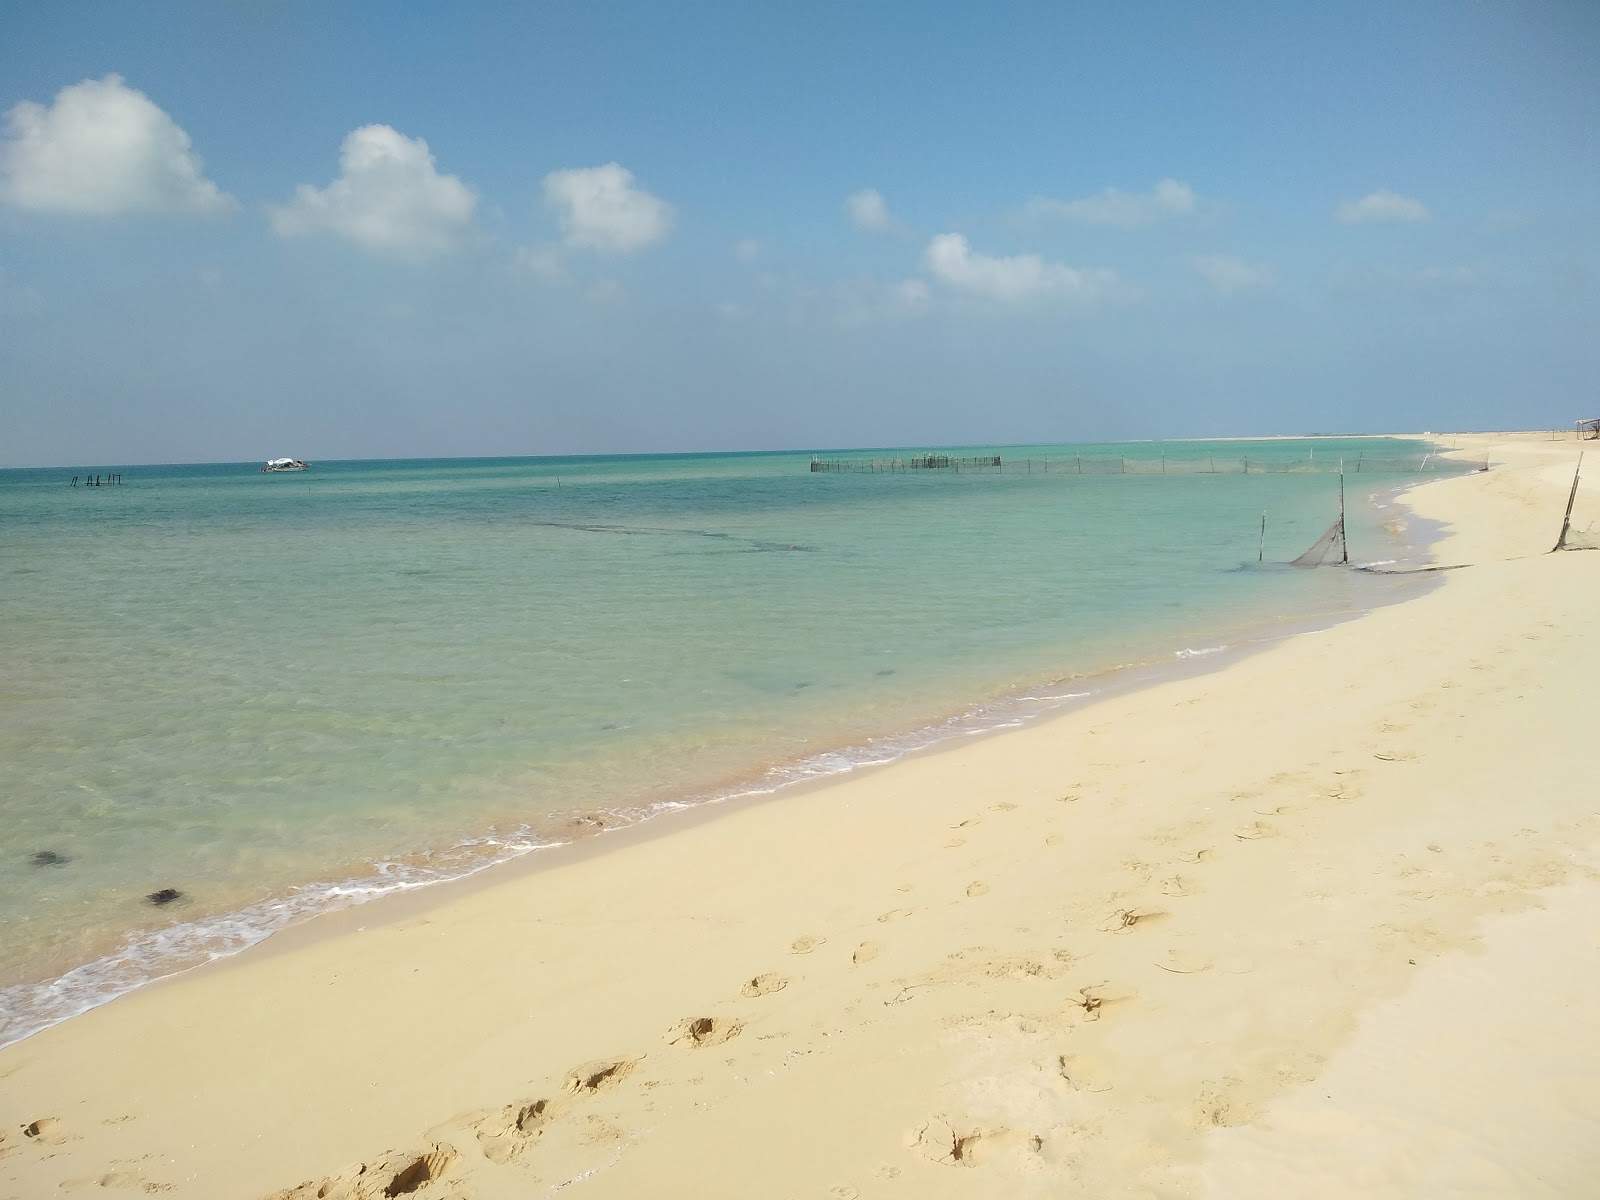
(280,692)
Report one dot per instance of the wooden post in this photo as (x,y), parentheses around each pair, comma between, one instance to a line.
(1261,554)
(1344,537)
(1566,520)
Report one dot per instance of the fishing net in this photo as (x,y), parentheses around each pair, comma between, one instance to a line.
(1329,548)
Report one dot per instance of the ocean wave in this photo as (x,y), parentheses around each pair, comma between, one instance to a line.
(145,957)
(1199,652)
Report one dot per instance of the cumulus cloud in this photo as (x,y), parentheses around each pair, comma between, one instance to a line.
(99,149)
(868,210)
(1381,205)
(1167,199)
(1018,279)
(1229,274)
(601,209)
(389,198)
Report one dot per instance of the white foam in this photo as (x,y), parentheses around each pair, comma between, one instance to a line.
(145,957)
(1200,652)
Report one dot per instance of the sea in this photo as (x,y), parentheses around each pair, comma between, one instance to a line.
(234,699)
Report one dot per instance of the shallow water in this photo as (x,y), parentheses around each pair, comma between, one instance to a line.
(279,692)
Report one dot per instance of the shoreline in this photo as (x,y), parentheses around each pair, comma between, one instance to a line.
(176,951)
(1078,950)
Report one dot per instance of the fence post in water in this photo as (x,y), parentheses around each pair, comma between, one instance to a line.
(1359,457)
(1163,460)
(1246,463)
(1124,465)
(1261,554)
(1080,464)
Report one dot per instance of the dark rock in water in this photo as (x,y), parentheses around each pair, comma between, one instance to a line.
(49,858)
(164,896)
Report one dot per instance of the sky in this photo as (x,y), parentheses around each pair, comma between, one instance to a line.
(238,229)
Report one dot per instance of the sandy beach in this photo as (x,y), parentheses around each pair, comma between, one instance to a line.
(1322,920)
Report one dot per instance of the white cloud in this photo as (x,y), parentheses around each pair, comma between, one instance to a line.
(99,149)
(544,260)
(1381,205)
(1017,279)
(1169,198)
(868,210)
(600,209)
(911,294)
(1229,274)
(389,198)
(747,249)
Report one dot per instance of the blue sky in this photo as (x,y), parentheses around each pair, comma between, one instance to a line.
(236,230)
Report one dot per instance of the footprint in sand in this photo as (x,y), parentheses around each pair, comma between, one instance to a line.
(1184,962)
(865,953)
(895,914)
(764,985)
(977,888)
(398,1173)
(806,943)
(1220,1104)
(1132,918)
(598,1076)
(705,1031)
(1083,1074)
(47,1131)
(506,1134)
(940,1142)
(1091,1002)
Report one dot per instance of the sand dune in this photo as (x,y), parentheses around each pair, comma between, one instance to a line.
(1322,920)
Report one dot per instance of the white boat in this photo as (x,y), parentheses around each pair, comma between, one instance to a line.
(285,464)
